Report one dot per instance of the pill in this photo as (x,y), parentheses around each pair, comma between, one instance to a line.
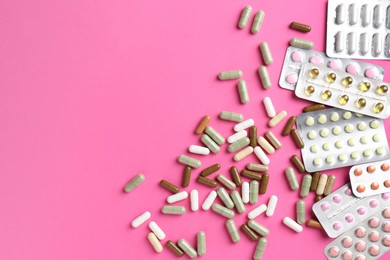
(264,77)
(377,44)
(353,14)
(264,183)
(223,211)
(206,181)
(260,248)
(202,124)
(138,221)
(169,186)
(244,125)
(209,200)
(244,18)
(258,20)
(214,135)
(292,224)
(314,107)
(269,107)
(253,136)
(174,248)
(243,91)
(266,53)
(157,230)
(177,197)
(329,185)
(243,153)
(314,224)
(196,149)
(155,242)
(300,27)
(251,175)
(277,119)
(273,200)
(231,116)
(186,176)
(194,163)
(317,198)
(301,212)
(249,232)
(265,145)
(300,43)
(309,121)
(135,182)
(364,43)
(339,42)
(257,167)
(305,188)
(173,210)
(187,248)
(237,136)
(235,195)
(292,78)
(289,125)
(253,191)
(224,196)
(211,169)
(292,178)
(245,192)
(378,16)
(235,176)
(273,139)
(226,182)
(321,184)
(194,196)
(232,228)
(258,228)
(298,163)
(297,138)
(201,243)
(214,147)
(233,74)
(257,211)
(352,44)
(314,181)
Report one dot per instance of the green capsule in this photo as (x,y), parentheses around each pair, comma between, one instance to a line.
(259,17)
(244,17)
(301,212)
(174,210)
(221,210)
(231,116)
(213,146)
(238,201)
(233,74)
(266,53)
(239,144)
(258,228)
(253,191)
(306,183)
(134,183)
(194,163)
(260,248)
(292,178)
(224,196)
(264,77)
(232,228)
(187,248)
(303,44)
(213,134)
(201,243)
(243,91)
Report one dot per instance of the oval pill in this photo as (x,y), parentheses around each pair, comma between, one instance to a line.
(292,178)
(135,182)
(231,116)
(266,53)
(209,200)
(187,248)
(157,230)
(271,206)
(269,107)
(233,74)
(264,77)
(244,18)
(194,196)
(258,20)
(243,91)
(300,43)
(257,211)
(292,224)
(155,242)
(201,243)
(138,221)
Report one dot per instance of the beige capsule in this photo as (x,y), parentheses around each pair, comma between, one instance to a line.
(155,242)
(273,139)
(257,167)
(265,145)
(226,182)
(277,119)
(321,184)
(243,153)
(329,185)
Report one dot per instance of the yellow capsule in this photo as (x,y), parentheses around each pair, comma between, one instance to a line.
(331,77)
(313,73)
(361,103)
(364,86)
(326,94)
(378,107)
(347,81)
(382,90)
(309,90)
(343,100)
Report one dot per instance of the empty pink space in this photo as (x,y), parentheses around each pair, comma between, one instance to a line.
(95,92)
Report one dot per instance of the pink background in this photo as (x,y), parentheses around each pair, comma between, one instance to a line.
(95,92)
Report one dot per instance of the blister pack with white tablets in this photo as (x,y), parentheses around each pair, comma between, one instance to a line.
(336,138)
(358,29)
(296,57)
(355,93)
(369,240)
(370,178)
(341,210)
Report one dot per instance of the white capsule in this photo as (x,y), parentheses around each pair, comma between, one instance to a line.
(339,45)
(378,16)
(194,196)
(277,119)
(237,136)
(364,43)
(257,211)
(269,107)
(245,192)
(340,14)
(177,197)
(353,14)
(138,221)
(352,42)
(265,145)
(244,125)
(366,15)
(209,200)
(155,242)
(157,230)
(196,149)
(273,200)
(292,224)
(243,153)
(261,155)
(377,45)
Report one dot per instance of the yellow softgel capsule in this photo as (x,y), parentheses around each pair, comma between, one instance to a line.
(364,86)
(347,81)
(326,94)
(309,90)
(378,107)
(343,100)
(382,90)
(314,73)
(361,103)
(331,77)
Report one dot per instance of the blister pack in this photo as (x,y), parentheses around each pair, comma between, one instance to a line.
(358,29)
(370,178)
(342,90)
(336,138)
(296,57)
(341,210)
(369,240)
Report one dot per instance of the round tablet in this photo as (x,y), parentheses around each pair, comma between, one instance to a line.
(360,246)
(386,183)
(348,128)
(373,203)
(360,257)
(351,142)
(347,255)
(314,148)
(361,126)
(385,167)
(349,218)
(371,168)
(292,78)
(324,132)
(373,250)
(347,242)
(318,162)
(335,64)
(325,206)
(386,196)
(334,116)
(336,198)
(334,251)
(336,130)
(358,172)
(386,226)
(342,157)
(361,188)
(326,146)
(312,135)
(355,155)
(348,191)
(309,121)
(374,236)
(386,240)
(347,115)
(297,56)
(322,119)
(374,222)
(360,232)
(364,140)
(376,138)
(361,210)
(374,186)
(380,151)
(374,124)
(337,226)
(386,212)
(367,153)
(371,73)
(316,59)
(353,68)
(330,159)
(339,144)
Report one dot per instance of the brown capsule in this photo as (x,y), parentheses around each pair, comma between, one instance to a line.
(169,186)
(314,224)
(174,248)
(289,126)
(300,27)
(235,176)
(206,181)
(202,124)
(314,107)
(318,198)
(251,175)
(274,141)
(329,185)
(314,181)
(264,183)
(256,167)
(249,232)
(186,176)
(253,136)
(297,138)
(298,163)
(211,169)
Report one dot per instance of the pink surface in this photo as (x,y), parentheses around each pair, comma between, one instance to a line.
(95,92)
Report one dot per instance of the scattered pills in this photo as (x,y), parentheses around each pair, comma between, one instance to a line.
(269,107)
(138,221)
(231,116)
(202,124)
(273,200)
(233,231)
(228,75)
(257,22)
(266,53)
(292,224)
(246,12)
(135,182)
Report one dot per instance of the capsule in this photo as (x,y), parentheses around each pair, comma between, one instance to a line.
(289,126)
(245,192)
(300,43)
(329,185)
(277,119)
(174,248)
(239,144)
(155,242)
(260,248)
(253,191)
(292,224)
(298,163)
(186,176)
(257,211)
(378,16)
(243,91)
(264,183)
(246,12)
(258,20)
(388,18)
(321,184)
(221,210)
(258,228)
(261,155)
(377,45)
(340,14)
(211,169)
(301,212)
(265,145)
(306,183)
(251,175)
(177,197)
(249,232)
(235,195)
(292,178)
(264,77)
(257,167)
(194,163)
(297,139)
(217,137)
(213,146)
(138,221)
(202,124)
(201,243)
(226,182)
(314,224)
(173,210)
(300,27)
(314,181)
(196,149)
(187,248)
(243,153)
(157,230)
(364,43)
(314,107)
(237,136)
(253,136)
(235,176)
(169,186)
(231,116)
(233,74)
(232,228)
(135,182)
(366,15)
(224,196)
(266,53)
(273,200)
(244,125)
(339,45)
(273,139)
(194,195)
(352,42)
(207,181)
(209,200)
(353,14)
(269,107)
